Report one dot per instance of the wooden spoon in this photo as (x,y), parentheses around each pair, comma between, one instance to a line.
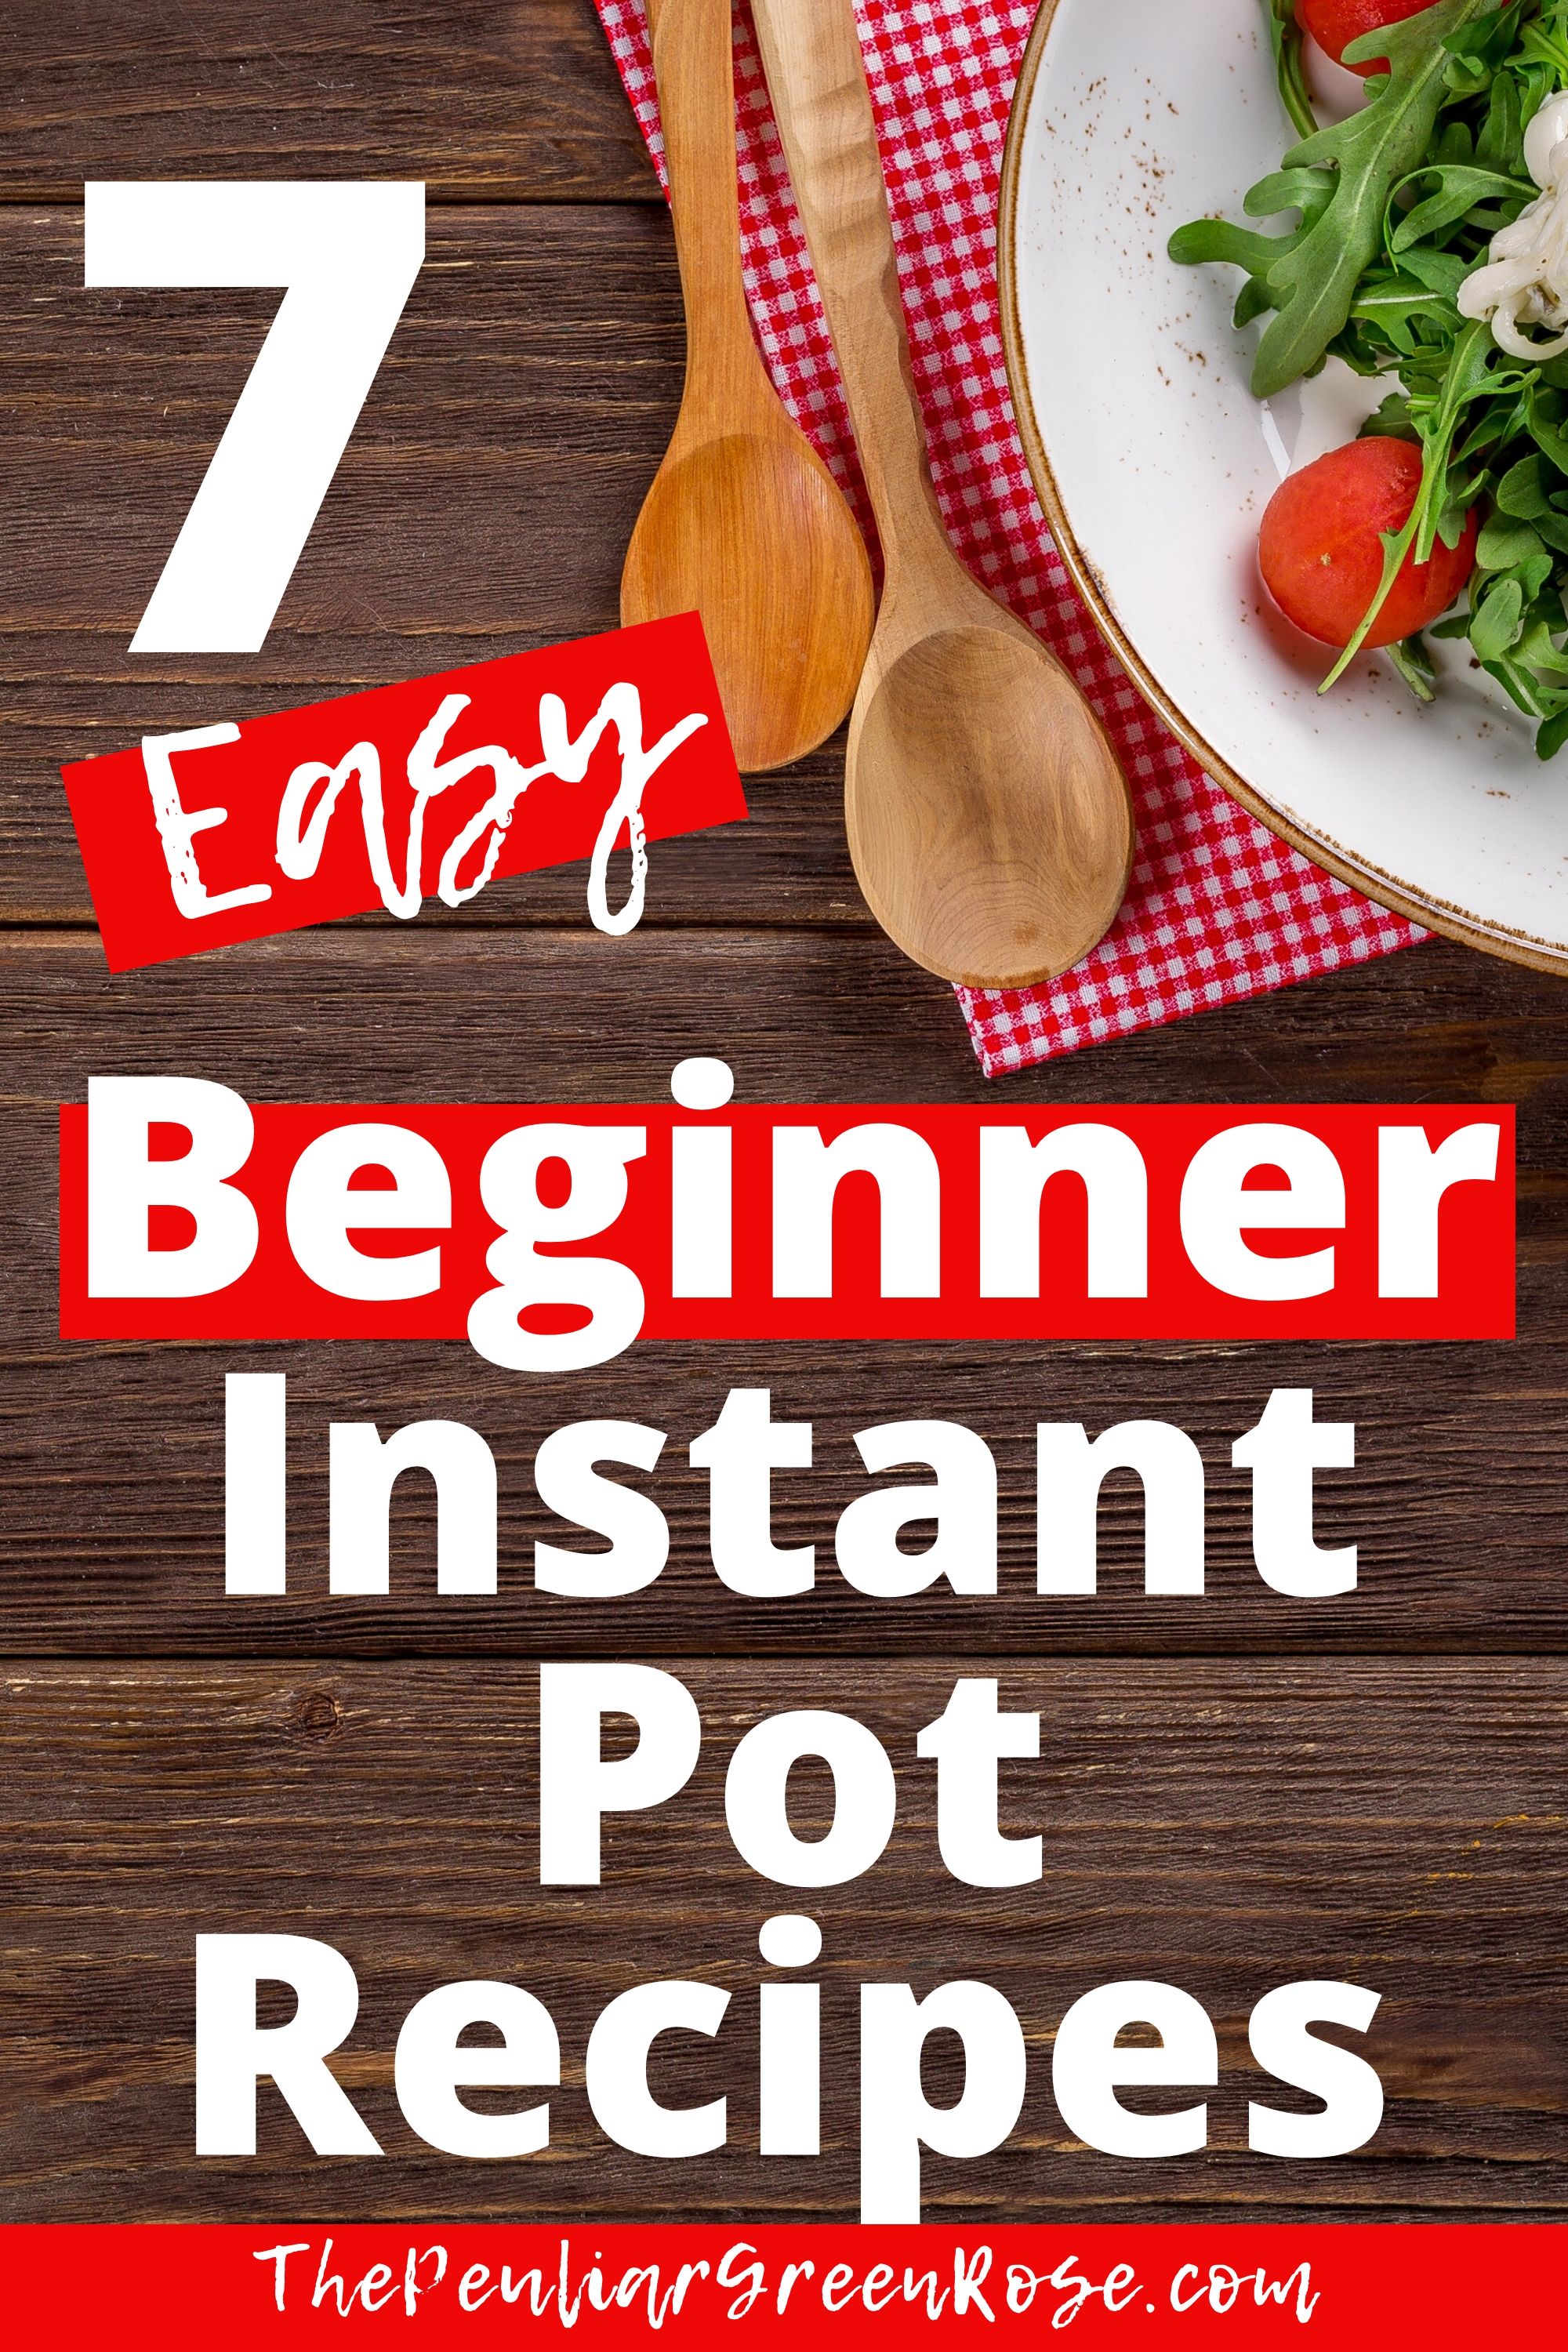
(988,819)
(743,522)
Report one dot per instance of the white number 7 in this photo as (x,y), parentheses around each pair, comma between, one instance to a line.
(348,253)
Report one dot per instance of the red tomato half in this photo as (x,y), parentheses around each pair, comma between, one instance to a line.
(1335,23)
(1321,556)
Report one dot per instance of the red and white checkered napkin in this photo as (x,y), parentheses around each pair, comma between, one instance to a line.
(1217,908)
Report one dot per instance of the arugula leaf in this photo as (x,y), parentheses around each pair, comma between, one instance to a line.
(1390,421)
(1497,621)
(1468,376)
(1460,188)
(1476,52)
(1445,273)
(1500,144)
(1413,663)
(1505,542)
(1536,647)
(1285,36)
(1393,212)
(1548,44)
(1313,271)
(1546,431)
(1522,491)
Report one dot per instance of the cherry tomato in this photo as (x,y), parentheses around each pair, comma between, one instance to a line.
(1319,554)
(1335,23)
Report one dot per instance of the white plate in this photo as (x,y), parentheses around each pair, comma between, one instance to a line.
(1154,463)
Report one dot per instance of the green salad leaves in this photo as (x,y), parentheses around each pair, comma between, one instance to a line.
(1339,180)
(1394,208)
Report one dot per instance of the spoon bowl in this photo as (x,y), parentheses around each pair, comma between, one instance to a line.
(744,524)
(750,530)
(986,817)
(989,823)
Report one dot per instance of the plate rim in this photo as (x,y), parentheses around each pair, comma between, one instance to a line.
(1387,890)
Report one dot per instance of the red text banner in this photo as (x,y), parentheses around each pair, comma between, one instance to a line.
(552,1236)
(1357,2287)
(236,830)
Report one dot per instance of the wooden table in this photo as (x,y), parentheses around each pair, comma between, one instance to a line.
(1233,1792)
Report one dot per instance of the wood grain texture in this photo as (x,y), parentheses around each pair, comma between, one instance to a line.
(989,820)
(511,99)
(483,501)
(1226,1824)
(110,1455)
(744,524)
(111,1501)
(483,506)
(476,1015)
(1223,1828)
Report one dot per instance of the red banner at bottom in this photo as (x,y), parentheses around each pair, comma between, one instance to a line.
(1369,2284)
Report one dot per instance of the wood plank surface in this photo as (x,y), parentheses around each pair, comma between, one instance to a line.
(1233,1792)
(1456,1501)
(513,98)
(111,1501)
(482,508)
(1220,1827)
(804,1015)
(484,498)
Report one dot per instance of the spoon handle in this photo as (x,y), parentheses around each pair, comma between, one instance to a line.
(816,80)
(693,63)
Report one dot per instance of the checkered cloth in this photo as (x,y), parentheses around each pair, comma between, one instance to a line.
(1217,908)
